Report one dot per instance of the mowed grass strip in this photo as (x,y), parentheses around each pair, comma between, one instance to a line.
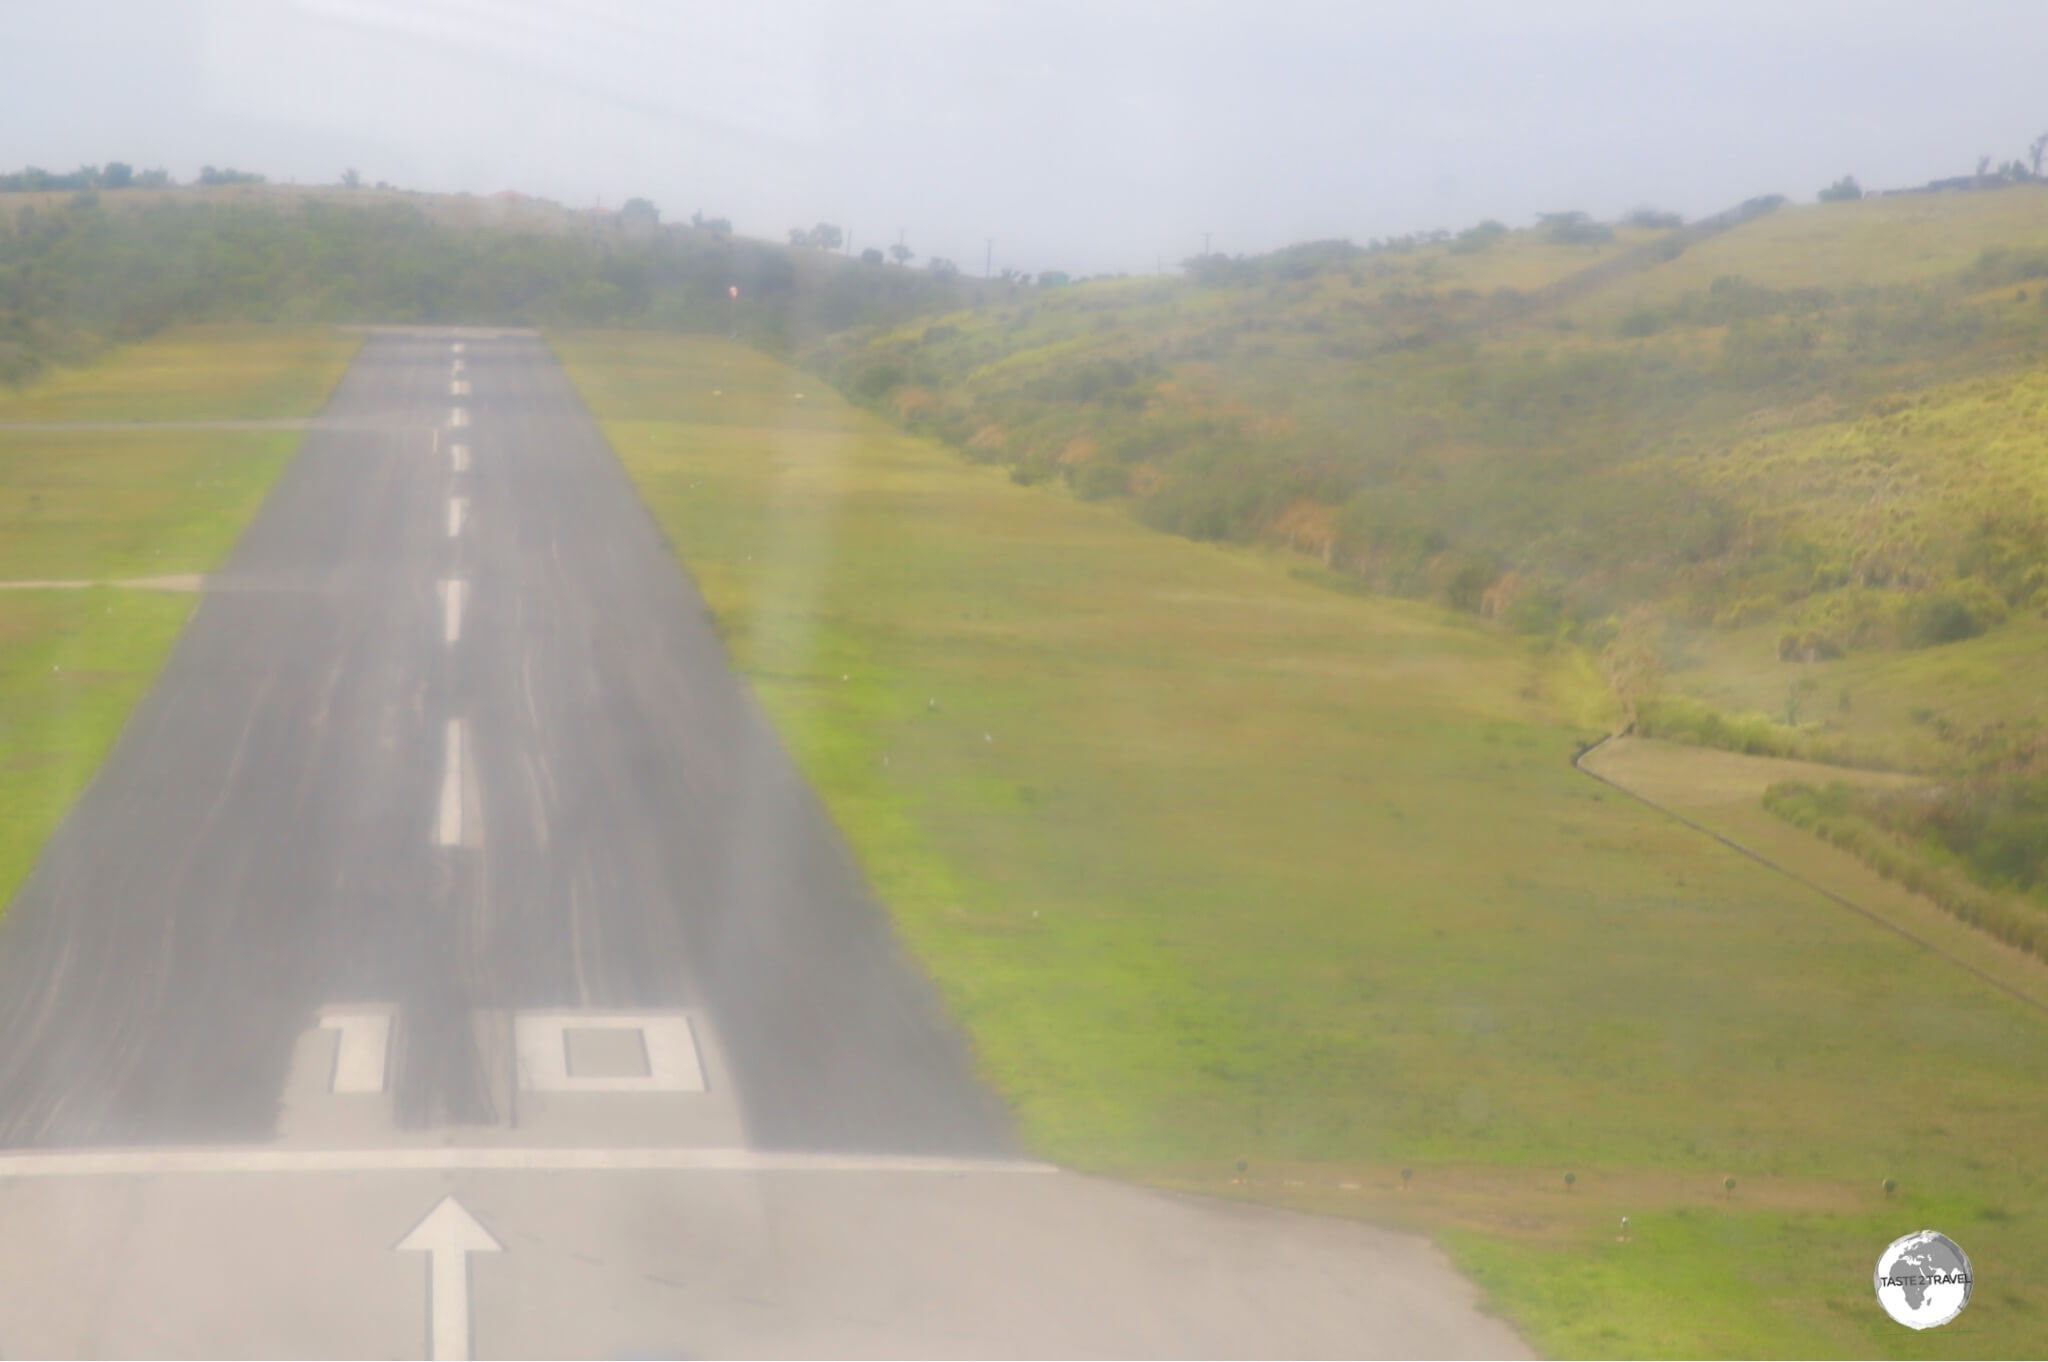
(102,506)
(1215,865)
(195,373)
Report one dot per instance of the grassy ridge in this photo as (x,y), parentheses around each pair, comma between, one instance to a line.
(1216,865)
(108,505)
(1688,438)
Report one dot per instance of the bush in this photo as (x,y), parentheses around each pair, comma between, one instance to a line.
(1952,614)
(1098,479)
(1842,190)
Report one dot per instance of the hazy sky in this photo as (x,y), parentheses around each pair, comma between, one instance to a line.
(1084,136)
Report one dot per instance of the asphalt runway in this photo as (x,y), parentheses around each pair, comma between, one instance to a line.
(448,859)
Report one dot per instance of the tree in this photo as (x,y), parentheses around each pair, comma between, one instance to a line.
(1983,166)
(826,237)
(640,211)
(117,175)
(871,256)
(942,268)
(1842,190)
(349,178)
(901,253)
(2036,149)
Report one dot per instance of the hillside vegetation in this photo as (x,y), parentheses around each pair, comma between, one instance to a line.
(80,271)
(1815,434)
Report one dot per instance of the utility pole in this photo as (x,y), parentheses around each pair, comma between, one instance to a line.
(988,260)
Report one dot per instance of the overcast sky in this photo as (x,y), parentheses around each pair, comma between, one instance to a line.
(1083,136)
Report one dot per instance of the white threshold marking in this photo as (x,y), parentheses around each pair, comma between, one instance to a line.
(448,821)
(456,366)
(480,1159)
(458,416)
(541,1042)
(459,456)
(458,511)
(458,387)
(454,595)
(448,1235)
(359,1051)
(456,348)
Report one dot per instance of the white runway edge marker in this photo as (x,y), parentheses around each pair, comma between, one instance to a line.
(454,593)
(448,819)
(94,1163)
(458,511)
(448,1236)
(458,416)
(359,1050)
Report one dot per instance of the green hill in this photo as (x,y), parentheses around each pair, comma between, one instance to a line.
(1822,420)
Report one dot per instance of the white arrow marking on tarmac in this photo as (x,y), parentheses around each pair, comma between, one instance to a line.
(458,387)
(458,416)
(460,455)
(359,1051)
(453,594)
(448,823)
(448,1236)
(458,507)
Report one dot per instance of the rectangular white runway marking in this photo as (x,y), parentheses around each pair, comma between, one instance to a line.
(359,1051)
(456,348)
(459,455)
(458,416)
(458,511)
(458,387)
(448,821)
(453,596)
(541,1040)
(456,366)
(481,1159)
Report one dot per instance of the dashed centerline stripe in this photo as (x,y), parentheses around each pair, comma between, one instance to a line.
(483,1159)
(458,511)
(448,819)
(454,595)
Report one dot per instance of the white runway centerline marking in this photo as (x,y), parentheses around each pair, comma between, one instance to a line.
(458,387)
(458,416)
(456,367)
(459,456)
(456,348)
(359,1051)
(479,1159)
(453,595)
(458,511)
(448,819)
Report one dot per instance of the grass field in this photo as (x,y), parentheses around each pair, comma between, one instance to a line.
(1217,865)
(195,373)
(104,506)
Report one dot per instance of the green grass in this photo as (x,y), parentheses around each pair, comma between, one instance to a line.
(101,506)
(107,505)
(1216,864)
(72,666)
(195,373)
